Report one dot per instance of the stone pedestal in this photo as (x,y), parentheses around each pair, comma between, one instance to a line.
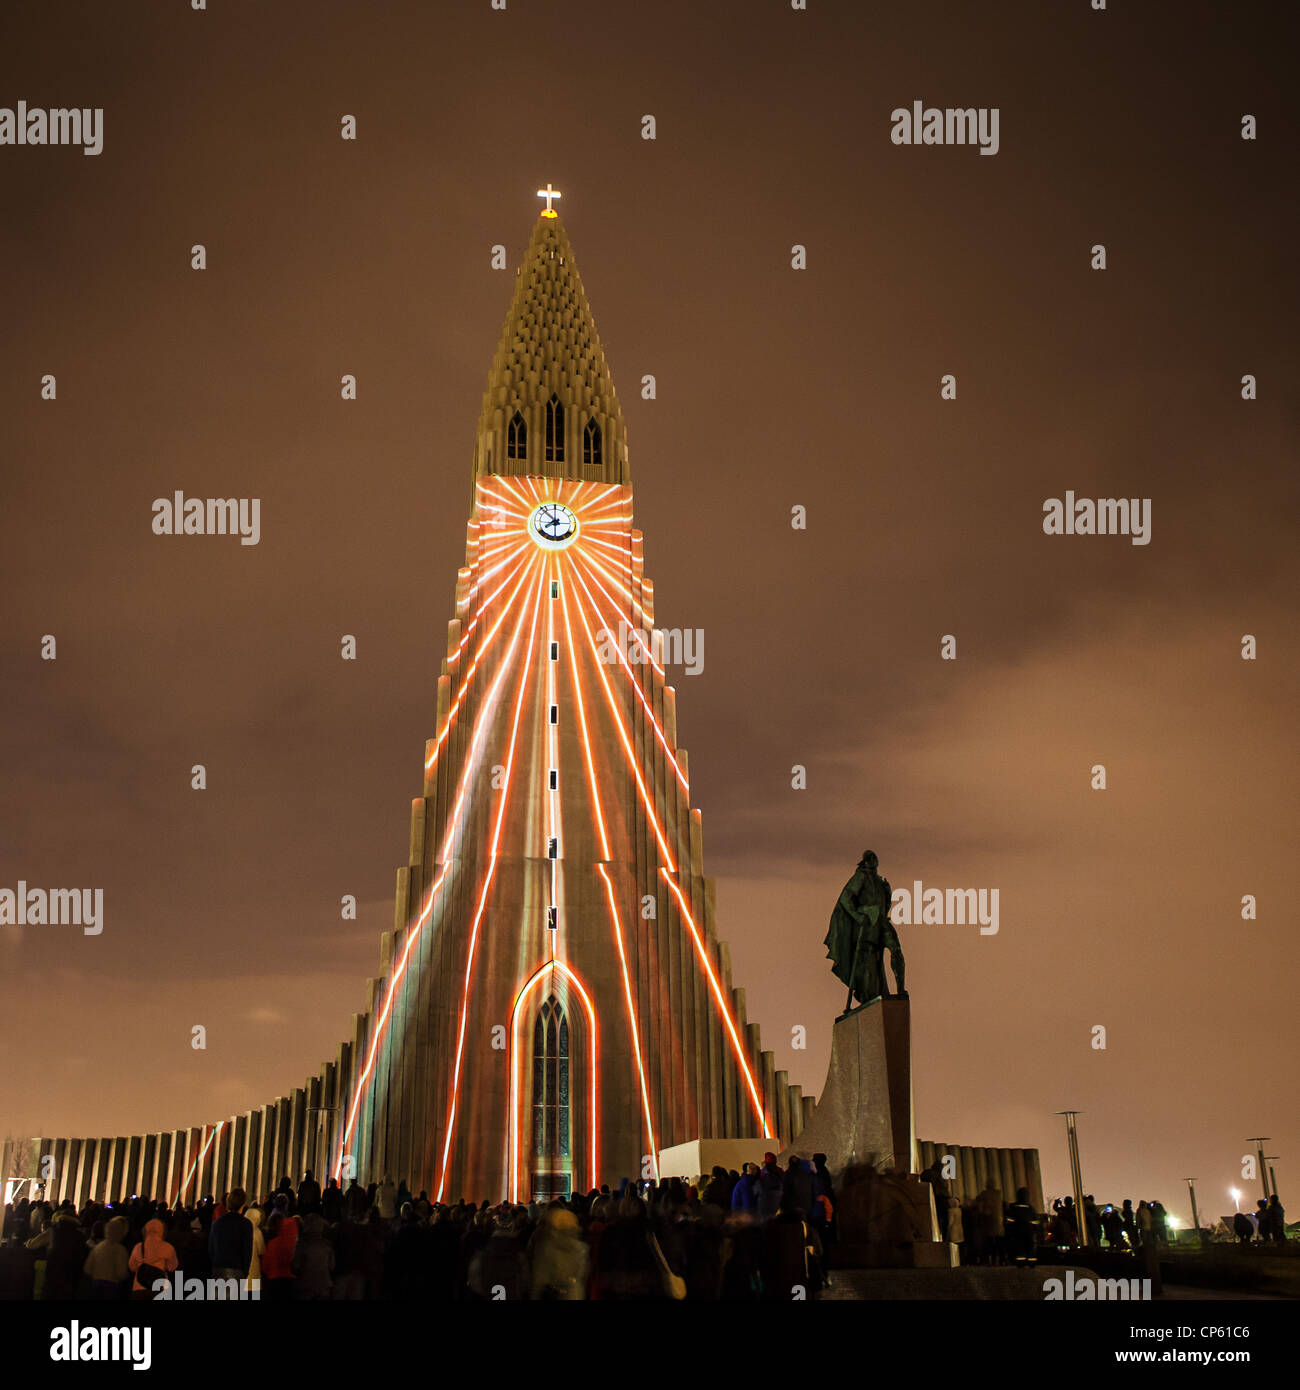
(863,1122)
(888,1221)
(864,1113)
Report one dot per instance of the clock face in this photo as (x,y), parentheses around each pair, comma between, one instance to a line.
(553,525)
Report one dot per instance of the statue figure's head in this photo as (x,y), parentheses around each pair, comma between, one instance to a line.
(870,861)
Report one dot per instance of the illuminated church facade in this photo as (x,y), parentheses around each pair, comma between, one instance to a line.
(554,1007)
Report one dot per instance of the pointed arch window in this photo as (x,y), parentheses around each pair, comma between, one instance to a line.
(591,452)
(517,438)
(554,431)
(551,1083)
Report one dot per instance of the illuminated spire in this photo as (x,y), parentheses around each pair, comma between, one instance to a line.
(550,408)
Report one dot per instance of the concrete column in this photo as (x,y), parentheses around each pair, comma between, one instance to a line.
(177,1163)
(85,1171)
(99,1174)
(158,1167)
(1008,1175)
(343,1074)
(68,1180)
(122,1167)
(298,1136)
(796,1112)
(266,1150)
(312,1131)
(225,1151)
(205,1176)
(753,1056)
(167,1161)
(966,1158)
(169,1175)
(237,1173)
(1033,1178)
(993,1161)
(782,1107)
(768,1089)
(1018,1168)
(283,1129)
(189,1174)
(58,1151)
(982,1177)
(358,1145)
(330,1125)
(253,1154)
(142,1167)
(730,1093)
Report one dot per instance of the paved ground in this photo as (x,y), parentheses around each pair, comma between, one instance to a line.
(969,1282)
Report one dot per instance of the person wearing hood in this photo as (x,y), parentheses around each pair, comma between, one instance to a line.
(155,1253)
(313,1260)
(744,1196)
(771,1183)
(561,1262)
(106,1265)
(797,1187)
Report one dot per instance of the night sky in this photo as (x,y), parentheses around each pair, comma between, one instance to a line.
(776,388)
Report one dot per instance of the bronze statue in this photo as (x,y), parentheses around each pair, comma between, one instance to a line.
(860,933)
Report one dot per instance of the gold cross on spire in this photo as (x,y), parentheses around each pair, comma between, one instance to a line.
(548,193)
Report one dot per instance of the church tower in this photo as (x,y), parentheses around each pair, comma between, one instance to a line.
(554,1007)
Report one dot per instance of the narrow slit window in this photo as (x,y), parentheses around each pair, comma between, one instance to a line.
(517,438)
(591,451)
(554,431)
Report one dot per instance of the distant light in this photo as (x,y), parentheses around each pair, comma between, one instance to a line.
(1174,1223)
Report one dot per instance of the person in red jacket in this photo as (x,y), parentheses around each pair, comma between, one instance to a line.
(277,1258)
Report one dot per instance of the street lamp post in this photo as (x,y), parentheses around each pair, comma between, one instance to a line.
(1196,1220)
(1259,1143)
(1076,1175)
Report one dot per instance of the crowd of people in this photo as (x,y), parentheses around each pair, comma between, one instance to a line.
(1268,1226)
(752,1235)
(989,1232)
(764,1232)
